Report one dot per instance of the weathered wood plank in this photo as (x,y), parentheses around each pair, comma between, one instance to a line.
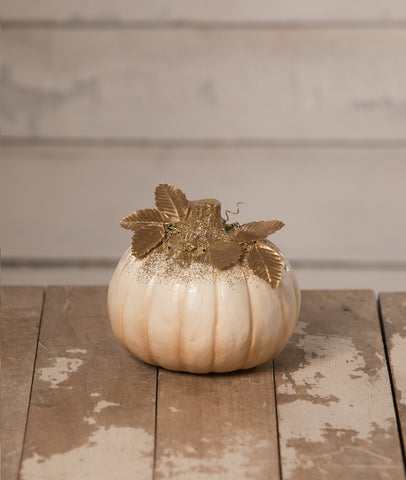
(20,313)
(204,84)
(327,197)
(334,404)
(217,426)
(92,412)
(393,310)
(229,11)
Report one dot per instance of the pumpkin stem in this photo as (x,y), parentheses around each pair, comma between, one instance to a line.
(205,215)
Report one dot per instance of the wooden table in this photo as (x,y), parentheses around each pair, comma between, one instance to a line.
(76,405)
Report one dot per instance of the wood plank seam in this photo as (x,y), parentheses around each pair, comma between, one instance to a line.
(156,422)
(201,25)
(208,142)
(277,423)
(392,385)
(313,263)
(32,378)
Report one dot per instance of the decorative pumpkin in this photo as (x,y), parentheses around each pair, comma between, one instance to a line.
(198,294)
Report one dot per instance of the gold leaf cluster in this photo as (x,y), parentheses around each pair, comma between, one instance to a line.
(223,246)
(148,225)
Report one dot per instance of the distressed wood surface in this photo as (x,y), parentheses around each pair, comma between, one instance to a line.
(217,426)
(162,83)
(229,11)
(20,313)
(92,412)
(393,311)
(91,194)
(335,410)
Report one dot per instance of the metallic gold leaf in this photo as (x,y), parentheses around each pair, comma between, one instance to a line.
(146,237)
(171,201)
(266,263)
(257,230)
(149,216)
(224,254)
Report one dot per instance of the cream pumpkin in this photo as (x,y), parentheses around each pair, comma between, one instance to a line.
(196,294)
(208,320)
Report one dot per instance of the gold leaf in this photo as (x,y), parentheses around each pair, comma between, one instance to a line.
(149,216)
(258,230)
(146,237)
(266,263)
(171,201)
(224,254)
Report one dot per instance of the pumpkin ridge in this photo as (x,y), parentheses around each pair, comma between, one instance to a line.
(120,318)
(117,273)
(181,312)
(252,323)
(147,306)
(282,303)
(215,320)
(286,334)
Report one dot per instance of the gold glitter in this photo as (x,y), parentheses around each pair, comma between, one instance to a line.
(189,247)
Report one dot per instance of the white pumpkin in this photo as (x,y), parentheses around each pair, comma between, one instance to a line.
(196,317)
(207,321)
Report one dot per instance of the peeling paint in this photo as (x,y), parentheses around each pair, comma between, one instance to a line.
(76,350)
(89,420)
(174,410)
(190,449)
(103,404)
(301,327)
(67,305)
(243,456)
(309,413)
(60,370)
(109,454)
(95,394)
(380,357)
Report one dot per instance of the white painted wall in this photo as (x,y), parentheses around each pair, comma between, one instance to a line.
(298,112)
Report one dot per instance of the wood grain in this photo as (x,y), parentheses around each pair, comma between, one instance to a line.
(255,84)
(337,203)
(217,426)
(20,313)
(229,11)
(393,311)
(92,412)
(334,404)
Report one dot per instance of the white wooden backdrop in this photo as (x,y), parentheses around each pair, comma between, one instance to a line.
(297,109)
